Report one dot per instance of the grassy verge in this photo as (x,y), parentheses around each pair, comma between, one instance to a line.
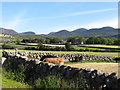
(52,81)
(9,83)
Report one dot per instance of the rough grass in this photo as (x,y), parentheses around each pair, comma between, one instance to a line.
(8,83)
(90,61)
(58,82)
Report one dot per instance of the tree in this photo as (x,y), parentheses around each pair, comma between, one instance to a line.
(117,42)
(40,46)
(68,46)
(47,41)
(76,40)
(91,40)
(56,40)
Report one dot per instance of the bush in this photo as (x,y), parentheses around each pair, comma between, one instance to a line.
(55,82)
(4,46)
(17,76)
(68,46)
(29,48)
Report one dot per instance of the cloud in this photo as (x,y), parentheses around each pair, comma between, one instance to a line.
(95,24)
(102,23)
(73,14)
(90,12)
(14,22)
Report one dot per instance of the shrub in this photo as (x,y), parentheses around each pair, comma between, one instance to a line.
(56,82)
(68,46)
(17,76)
(29,48)
(4,46)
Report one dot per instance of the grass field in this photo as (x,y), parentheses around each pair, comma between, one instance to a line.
(8,83)
(52,46)
(103,67)
(20,46)
(90,48)
(107,46)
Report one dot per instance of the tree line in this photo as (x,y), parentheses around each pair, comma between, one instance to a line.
(76,40)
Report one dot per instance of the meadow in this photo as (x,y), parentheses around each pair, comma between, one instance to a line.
(107,46)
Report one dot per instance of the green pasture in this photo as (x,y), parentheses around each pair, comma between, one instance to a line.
(107,46)
(89,48)
(19,46)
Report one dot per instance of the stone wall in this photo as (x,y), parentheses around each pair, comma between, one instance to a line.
(35,69)
(67,57)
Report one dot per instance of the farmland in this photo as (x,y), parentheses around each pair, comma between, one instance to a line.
(100,65)
(107,46)
(103,67)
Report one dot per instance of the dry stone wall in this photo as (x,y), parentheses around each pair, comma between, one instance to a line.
(35,69)
(67,57)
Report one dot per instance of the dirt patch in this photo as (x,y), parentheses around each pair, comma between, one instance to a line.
(103,67)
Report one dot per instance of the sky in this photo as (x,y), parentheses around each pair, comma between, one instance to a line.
(46,17)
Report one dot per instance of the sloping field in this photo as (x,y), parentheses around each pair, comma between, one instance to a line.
(103,67)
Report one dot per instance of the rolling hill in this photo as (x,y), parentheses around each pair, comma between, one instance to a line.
(29,32)
(10,31)
(103,32)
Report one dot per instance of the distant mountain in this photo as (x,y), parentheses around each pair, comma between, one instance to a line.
(11,31)
(80,30)
(62,33)
(29,32)
(103,32)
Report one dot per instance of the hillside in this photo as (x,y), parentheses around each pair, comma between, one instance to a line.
(29,32)
(103,32)
(10,31)
(62,34)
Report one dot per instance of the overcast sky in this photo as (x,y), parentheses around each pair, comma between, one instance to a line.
(46,17)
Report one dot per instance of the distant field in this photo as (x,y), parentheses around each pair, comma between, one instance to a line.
(20,46)
(114,54)
(107,46)
(90,48)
